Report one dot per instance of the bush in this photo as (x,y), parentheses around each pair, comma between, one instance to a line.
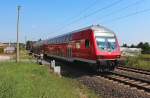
(1,50)
(137,62)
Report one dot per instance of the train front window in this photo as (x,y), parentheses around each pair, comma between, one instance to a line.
(101,43)
(111,43)
(106,43)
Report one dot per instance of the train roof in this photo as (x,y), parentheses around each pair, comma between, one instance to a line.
(98,28)
(94,28)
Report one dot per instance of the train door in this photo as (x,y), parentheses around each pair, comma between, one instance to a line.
(87,49)
(86,45)
(69,51)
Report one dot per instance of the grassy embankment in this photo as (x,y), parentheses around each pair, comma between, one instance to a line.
(30,80)
(141,61)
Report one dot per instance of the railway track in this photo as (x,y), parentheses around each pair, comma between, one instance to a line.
(135,70)
(128,80)
(100,84)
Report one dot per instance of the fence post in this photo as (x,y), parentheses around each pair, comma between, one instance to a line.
(57,69)
(53,63)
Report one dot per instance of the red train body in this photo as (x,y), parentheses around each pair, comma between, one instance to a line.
(95,45)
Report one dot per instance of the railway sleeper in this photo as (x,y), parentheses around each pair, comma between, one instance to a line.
(131,78)
(147,72)
(129,83)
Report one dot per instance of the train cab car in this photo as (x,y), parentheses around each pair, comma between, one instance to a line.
(107,48)
(95,45)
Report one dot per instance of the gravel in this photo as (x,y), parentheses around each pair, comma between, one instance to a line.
(102,86)
(110,89)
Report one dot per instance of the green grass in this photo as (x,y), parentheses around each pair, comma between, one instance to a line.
(138,62)
(29,80)
(145,56)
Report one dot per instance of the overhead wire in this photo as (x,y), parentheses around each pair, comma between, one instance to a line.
(121,9)
(114,19)
(82,12)
(92,13)
(128,15)
(85,9)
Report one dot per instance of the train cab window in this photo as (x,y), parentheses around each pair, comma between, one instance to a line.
(87,43)
(106,43)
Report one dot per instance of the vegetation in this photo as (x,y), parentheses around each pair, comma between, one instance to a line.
(30,80)
(144,46)
(24,55)
(1,50)
(29,44)
(145,56)
(139,62)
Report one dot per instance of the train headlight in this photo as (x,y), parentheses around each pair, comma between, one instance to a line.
(118,56)
(100,57)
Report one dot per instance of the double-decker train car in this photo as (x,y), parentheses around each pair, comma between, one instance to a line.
(95,45)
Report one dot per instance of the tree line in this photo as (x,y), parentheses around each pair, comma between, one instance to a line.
(145,46)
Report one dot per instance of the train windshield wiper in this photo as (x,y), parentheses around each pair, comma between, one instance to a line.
(106,43)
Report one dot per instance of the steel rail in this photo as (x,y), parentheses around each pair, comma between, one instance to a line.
(136,70)
(128,80)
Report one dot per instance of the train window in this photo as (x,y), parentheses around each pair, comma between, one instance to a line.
(78,45)
(106,43)
(63,39)
(70,37)
(87,43)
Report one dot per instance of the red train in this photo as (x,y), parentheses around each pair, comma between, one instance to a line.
(95,45)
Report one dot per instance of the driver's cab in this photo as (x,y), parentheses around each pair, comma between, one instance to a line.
(107,44)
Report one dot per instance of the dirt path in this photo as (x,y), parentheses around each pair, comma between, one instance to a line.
(4,57)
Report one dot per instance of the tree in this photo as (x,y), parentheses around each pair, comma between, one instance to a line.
(29,45)
(140,45)
(132,46)
(145,47)
(40,39)
(124,45)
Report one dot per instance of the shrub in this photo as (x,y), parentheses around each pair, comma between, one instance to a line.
(137,62)
(1,50)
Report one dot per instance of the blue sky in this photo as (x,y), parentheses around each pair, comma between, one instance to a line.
(49,18)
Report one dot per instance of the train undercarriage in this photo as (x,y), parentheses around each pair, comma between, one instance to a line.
(99,66)
(106,65)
